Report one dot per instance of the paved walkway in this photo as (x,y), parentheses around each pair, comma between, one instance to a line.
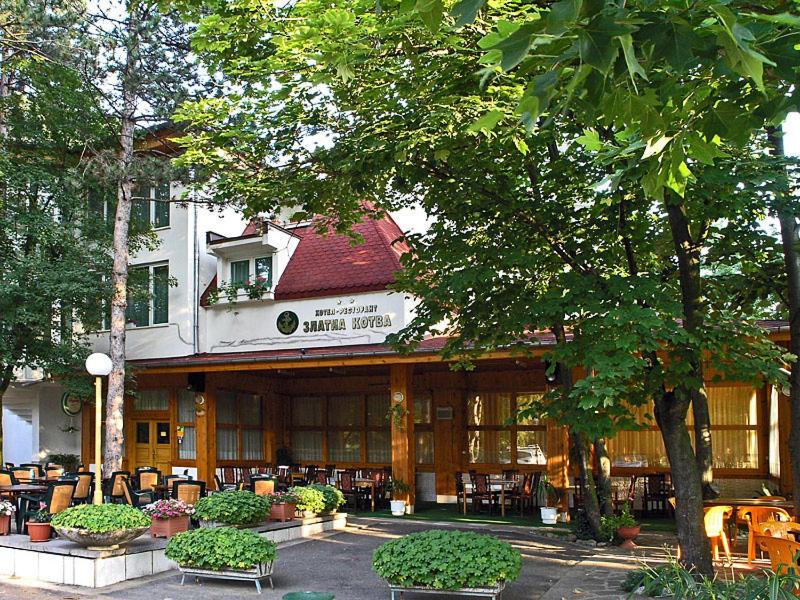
(340,563)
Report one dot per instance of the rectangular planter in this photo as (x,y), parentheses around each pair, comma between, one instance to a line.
(282,512)
(482,592)
(166,528)
(256,574)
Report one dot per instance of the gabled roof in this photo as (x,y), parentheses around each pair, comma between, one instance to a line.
(329,264)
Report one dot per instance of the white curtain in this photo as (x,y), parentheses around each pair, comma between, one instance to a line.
(227,444)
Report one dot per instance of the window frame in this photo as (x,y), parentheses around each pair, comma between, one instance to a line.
(154,198)
(151,296)
(240,427)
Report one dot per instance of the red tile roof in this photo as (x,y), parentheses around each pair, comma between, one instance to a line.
(329,264)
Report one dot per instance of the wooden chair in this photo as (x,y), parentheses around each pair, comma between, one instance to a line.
(523,495)
(755,515)
(228,476)
(147,480)
(262,486)
(310,474)
(188,491)
(133,497)
(83,487)
(481,491)
(52,474)
(348,488)
(715,521)
(783,555)
(657,490)
(321,477)
(461,493)
(116,489)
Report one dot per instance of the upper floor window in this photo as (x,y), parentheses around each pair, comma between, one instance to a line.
(150,205)
(149,300)
(242,271)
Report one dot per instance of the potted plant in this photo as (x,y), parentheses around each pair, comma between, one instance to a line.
(450,561)
(310,500)
(545,493)
(627,528)
(397,487)
(331,496)
(223,553)
(282,506)
(39,527)
(7,509)
(237,508)
(169,517)
(101,526)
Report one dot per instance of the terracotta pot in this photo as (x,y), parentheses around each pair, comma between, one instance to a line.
(628,534)
(282,512)
(5,524)
(168,527)
(39,532)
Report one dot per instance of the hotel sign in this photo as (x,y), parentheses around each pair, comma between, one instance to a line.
(352,317)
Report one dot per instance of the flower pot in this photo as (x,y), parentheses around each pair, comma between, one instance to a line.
(168,527)
(255,574)
(39,532)
(398,507)
(5,524)
(282,512)
(549,515)
(628,534)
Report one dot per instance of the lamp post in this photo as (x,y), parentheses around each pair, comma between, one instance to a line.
(99,365)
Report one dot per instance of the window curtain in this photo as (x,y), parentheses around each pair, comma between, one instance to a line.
(227,444)
(307,445)
(151,400)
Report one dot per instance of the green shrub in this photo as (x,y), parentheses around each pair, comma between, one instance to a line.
(220,548)
(333,497)
(232,508)
(310,498)
(447,560)
(100,518)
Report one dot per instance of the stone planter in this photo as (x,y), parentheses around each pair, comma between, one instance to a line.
(5,524)
(306,514)
(282,512)
(205,524)
(107,540)
(256,574)
(479,592)
(628,534)
(39,532)
(166,528)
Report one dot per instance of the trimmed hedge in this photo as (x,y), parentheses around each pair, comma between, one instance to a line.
(233,508)
(309,498)
(447,560)
(101,518)
(220,548)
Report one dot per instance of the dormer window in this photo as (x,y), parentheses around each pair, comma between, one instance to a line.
(242,271)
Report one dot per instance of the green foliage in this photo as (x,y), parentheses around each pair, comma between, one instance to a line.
(220,548)
(100,518)
(675,581)
(41,516)
(397,486)
(610,525)
(233,507)
(70,462)
(317,498)
(332,497)
(447,560)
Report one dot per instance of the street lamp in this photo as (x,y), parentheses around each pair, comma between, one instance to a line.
(99,365)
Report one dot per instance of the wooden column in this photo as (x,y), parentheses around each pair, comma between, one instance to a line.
(205,431)
(403,459)
(558,462)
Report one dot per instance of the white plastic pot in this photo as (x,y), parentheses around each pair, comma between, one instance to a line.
(398,507)
(549,515)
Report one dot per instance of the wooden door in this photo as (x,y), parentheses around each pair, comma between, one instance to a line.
(153,445)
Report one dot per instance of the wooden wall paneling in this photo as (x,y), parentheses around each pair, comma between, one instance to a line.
(206,436)
(403,446)
(448,445)
(784,431)
(558,461)
(274,423)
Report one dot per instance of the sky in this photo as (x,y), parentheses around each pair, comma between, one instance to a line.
(416,221)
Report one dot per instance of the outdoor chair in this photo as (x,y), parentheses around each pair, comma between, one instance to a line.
(37,467)
(115,491)
(715,520)
(83,486)
(229,476)
(57,498)
(188,491)
(461,492)
(7,478)
(330,470)
(24,473)
(310,475)
(349,490)
(147,480)
(657,490)
(782,555)
(753,516)
(482,492)
(322,477)
(262,486)
(9,465)
(53,473)
(628,497)
(787,530)
(522,495)
(133,497)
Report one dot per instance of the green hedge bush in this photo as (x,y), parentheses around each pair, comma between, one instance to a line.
(100,518)
(310,498)
(220,548)
(333,497)
(233,508)
(447,560)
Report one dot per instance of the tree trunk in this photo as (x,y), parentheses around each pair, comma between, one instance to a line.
(670,412)
(790,240)
(603,483)
(115,436)
(591,506)
(687,252)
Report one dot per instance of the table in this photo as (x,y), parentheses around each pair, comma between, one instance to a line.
(367,483)
(787,505)
(495,485)
(17,490)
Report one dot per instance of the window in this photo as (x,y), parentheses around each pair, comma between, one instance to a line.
(341,429)
(240,435)
(491,440)
(264,270)
(734,433)
(423,429)
(151,400)
(148,302)
(240,272)
(187,445)
(150,206)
